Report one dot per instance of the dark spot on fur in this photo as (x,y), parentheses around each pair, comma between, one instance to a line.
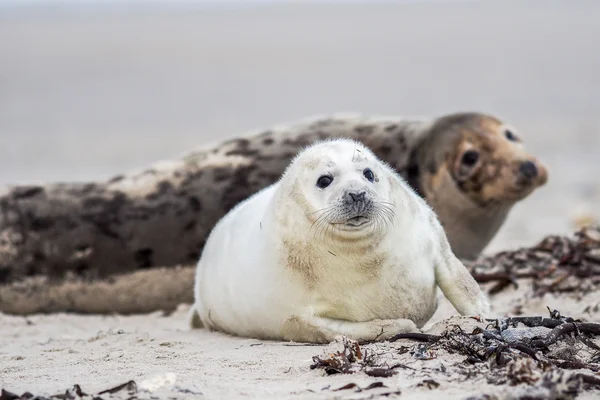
(412,174)
(88,187)
(95,201)
(81,269)
(432,167)
(176,174)
(119,199)
(164,187)
(263,157)
(402,143)
(40,224)
(221,174)
(195,203)
(364,129)
(242,152)
(268,141)
(143,257)
(391,128)
(37,256)
(322,135)
(190,225)
(116,179)
(300,141)
(23,192)
(240,186)
(82,247)
(242,142)
(5,274)
(385,151)
(152,196)
(268,176)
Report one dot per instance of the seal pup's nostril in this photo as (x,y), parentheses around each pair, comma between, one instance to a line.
(356,197)
(528,170)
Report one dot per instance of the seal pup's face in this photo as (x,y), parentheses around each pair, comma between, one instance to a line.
(344,187)
(487,160)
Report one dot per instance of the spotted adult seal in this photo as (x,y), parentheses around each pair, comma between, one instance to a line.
(471,168)
(340,245)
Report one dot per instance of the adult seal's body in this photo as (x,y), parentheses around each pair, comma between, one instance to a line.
(340,245)
(471,168)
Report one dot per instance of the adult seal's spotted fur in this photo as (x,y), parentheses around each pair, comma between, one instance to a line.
(471,168)
(341,245)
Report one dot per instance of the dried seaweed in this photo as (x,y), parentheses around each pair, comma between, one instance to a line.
(547,354)
(556,264)
(352,359)
(129,389)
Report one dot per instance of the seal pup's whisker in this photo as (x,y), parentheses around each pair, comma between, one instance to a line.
(321,223)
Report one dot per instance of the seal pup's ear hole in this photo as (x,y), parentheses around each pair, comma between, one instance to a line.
(467,163)
(324,181)
(369,175)
(511,136)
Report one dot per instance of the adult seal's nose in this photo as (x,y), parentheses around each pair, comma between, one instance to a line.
(528,170)
(355,197)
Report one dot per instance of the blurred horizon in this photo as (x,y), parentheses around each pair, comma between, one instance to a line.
(88,94)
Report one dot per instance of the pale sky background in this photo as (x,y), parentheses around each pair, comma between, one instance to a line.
(89,92)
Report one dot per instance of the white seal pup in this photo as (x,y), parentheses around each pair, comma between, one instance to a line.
(340,245)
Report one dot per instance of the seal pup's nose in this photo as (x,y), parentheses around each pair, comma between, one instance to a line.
(528,170)
(355,197)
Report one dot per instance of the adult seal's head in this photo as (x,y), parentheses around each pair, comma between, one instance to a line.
(472,168)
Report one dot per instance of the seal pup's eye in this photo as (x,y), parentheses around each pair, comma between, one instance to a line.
(470,157)
(324,181)
(369,174)
(511,136)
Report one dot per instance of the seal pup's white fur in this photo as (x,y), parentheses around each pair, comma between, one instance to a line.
(300,262)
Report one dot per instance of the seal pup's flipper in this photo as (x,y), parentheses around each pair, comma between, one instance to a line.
(324,330)
(194,321)
(458,285)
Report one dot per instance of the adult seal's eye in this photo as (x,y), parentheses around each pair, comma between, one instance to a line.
(469,158)
(324,181)
(369,174)
(511,136)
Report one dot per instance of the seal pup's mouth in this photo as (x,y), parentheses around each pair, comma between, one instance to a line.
(357,221)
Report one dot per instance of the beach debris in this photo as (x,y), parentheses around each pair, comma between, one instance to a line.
(351,359)
(555,355)
(373,385)
(345,361)
(557,264)
(127,390)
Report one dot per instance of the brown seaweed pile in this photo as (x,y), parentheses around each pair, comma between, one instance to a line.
(545,355)
(557,264)
(127,390)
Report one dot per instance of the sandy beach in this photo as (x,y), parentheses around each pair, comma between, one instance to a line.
(87,93)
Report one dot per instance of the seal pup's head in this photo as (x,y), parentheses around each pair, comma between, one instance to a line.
(342,189)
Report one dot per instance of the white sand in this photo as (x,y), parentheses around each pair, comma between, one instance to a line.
(48,354)
(85,96)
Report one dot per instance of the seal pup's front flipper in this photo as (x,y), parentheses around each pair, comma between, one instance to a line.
(194,321)
(324,330)
(458,285)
